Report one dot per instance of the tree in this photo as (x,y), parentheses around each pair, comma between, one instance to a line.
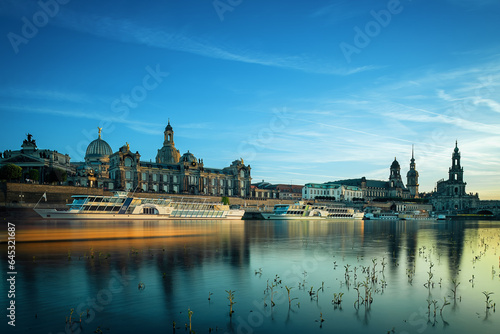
(56,175)
(10,172)
(34,175)
(225,200)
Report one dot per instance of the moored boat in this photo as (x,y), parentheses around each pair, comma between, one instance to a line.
(382,216)
(122,207)
(301,210)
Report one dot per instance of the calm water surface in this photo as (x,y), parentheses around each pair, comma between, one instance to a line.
(99,266)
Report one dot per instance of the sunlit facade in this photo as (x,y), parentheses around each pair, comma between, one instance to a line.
(171,173)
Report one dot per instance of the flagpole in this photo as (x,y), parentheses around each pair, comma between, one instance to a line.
(43,196)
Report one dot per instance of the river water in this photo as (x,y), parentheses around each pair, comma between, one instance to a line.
(142,276)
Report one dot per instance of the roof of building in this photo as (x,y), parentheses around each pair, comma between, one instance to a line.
(264,185)
(395,164)
(334,185)
(369,183)
(293,188)
(98,148)
(168,127)
(188,157)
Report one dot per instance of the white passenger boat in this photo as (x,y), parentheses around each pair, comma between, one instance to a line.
(300,210)
(382,216)
(122,207)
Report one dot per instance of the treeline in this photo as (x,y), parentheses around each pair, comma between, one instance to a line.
(12,172)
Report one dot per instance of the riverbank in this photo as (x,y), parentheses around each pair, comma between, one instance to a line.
(22,195)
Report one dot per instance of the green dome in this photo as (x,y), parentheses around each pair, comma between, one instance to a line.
(188,157)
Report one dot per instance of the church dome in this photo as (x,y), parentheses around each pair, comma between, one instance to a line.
(412,173)
(98,148)
(168,127)
(188,157)
(395,164)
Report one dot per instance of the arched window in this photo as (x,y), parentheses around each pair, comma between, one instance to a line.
(128,162)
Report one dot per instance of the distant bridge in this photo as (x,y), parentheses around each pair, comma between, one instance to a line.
(487,208)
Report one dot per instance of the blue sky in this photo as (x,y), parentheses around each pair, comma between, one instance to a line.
(303,91)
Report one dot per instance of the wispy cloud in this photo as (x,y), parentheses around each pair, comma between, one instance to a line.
(40,94)
(409,113)
(129,31)
(493,105)
(133,123)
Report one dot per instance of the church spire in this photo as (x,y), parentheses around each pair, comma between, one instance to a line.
(412,176)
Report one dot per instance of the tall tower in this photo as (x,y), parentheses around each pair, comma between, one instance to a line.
(168,154)
(456,174)
(168,135)
(395,177)
(412,177)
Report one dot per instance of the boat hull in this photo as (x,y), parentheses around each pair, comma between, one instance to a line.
(273,216)
(55,214)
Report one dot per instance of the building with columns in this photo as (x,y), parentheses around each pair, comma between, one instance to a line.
(43,161)
(173,173)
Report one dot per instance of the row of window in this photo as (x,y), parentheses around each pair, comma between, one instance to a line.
(192,180)
(197,213)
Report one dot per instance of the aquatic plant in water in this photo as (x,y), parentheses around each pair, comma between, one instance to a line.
(230,297)
(445,303)
(489,303)
(190,315)
(454,289)
(337,298)
(289,299)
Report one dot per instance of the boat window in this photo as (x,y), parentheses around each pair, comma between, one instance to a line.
(150,211)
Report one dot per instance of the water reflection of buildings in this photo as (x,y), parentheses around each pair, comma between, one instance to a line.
(180,262)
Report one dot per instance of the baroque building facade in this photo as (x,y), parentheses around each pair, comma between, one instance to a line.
(450,195)
(94,170)
(44,161)
(171,173)
(392,188)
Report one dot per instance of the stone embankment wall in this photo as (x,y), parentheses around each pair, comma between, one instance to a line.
(27,195)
